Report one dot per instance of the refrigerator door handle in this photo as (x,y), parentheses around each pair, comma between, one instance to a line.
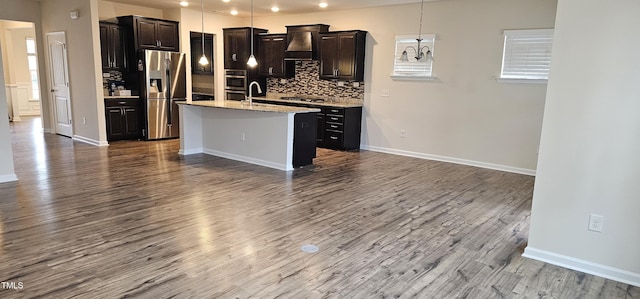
(169,88)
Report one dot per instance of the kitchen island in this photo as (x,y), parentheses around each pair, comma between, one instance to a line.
(276,136)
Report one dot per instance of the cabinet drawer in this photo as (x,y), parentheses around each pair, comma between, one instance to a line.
(333,139)
(335,111)
(334,119)
(335,127)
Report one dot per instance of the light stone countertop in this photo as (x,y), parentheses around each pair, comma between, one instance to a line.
(241,105)
(326,103)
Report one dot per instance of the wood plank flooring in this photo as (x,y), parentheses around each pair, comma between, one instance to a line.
(136,220)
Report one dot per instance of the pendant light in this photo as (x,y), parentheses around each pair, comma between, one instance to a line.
(203,60)
(420,54)
(252,59)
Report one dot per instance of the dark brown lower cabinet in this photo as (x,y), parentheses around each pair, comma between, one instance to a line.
(337,127)
(122,117)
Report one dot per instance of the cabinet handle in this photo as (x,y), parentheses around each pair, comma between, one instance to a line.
(334,126)
(270,70)
(334,137)
(234,57)
(334,110)
(122,103)
(334,118)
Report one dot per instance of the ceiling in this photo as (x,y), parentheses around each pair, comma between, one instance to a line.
(263,7)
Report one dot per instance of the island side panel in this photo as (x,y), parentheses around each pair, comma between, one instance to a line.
(262,138)
(190,130)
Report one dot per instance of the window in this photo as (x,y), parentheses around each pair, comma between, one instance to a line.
(32,60)
(527,54)
(406,64)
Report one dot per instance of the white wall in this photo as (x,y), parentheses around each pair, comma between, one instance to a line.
(27,11)
(111,10)
(465,116)
(589,154)
(83,48)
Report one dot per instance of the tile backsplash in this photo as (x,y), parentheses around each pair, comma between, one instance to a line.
(113,76)
(307,82)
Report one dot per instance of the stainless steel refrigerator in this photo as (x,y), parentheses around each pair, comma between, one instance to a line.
(164,82)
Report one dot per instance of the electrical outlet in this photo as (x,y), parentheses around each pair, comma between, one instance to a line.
(242,137)
(106,75)
(403,134)
(340,83)
(84,120)
(595,223)
(356,84)
(283,81)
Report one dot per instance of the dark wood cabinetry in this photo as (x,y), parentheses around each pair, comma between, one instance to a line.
(342,55)
(237,46)
(342,128)
(152,34)
(270,57)
(196,53)
(337,127)
(122,117)
(112,46)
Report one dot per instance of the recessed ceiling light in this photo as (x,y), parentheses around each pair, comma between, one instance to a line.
(275,9)
(225,0)
(323,4)
(233,12)
(184,3)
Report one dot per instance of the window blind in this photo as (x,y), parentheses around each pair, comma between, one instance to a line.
(527,54)
(412,67)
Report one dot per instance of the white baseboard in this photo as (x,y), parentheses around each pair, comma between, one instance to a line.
(500,167)
(190,151)
(90,141)
(48,131)
(248,160)
(8,178)
(612,273)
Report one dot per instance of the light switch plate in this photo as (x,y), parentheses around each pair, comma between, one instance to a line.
(340,83)
(106,75)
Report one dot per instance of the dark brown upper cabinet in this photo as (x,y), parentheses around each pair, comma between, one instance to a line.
(271,61)
(342,55)
(112,46)
(196,53)
(237,46)
(152,34)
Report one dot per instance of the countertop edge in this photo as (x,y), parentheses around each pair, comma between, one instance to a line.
(325,104)
(246,107)
(121,97)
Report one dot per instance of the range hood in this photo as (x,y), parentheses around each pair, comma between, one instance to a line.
(300,46)
(303,41)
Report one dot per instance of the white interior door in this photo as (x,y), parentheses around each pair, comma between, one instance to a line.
(57,45)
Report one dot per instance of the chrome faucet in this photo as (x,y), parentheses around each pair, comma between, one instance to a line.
(250,98)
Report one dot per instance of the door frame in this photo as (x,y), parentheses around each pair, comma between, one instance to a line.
(52,104)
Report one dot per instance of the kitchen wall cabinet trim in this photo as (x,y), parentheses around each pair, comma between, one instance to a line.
(271,62)
(112,46)
(342,55)
(196,53)
(237,46)
(152,34)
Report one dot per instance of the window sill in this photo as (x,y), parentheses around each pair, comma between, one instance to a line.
(413,78)
(525,81)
